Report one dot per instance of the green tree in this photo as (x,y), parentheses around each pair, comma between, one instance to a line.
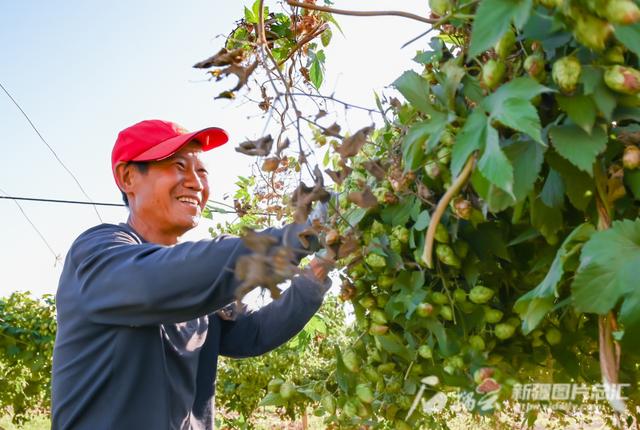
(27,332)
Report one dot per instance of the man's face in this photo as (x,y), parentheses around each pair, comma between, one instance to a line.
(170,196)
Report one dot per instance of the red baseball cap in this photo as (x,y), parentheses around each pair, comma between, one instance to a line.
(154,139)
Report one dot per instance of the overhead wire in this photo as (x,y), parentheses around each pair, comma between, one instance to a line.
(46,242)
(50,149)
(78,202)
(34,199)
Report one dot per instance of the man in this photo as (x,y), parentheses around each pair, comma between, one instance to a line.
(138,332)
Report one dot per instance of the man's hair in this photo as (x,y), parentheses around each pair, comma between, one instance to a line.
(143,167)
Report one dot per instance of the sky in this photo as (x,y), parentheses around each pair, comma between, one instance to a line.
(84,70)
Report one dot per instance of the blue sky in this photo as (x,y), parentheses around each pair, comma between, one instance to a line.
(83,70)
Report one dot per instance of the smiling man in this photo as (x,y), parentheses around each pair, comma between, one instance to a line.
(139,332)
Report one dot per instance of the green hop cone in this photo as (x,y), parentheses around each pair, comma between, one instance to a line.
(287,390)
(463,209)
(425,351)
(364,393)
(432,169)
(395,244)
(380,194)
(476,342)
(274,385)
(534,66)
(376,261)
(385,281)
(350,360)
(624,12)
(350,409)
(446,313)
(447,138)
(505,44)
(328,403)
(440,7)
(401,233)
(444,155)
(377,228)
(566,73)
(326,36)
(631,157)
(424,309)
(492,73)
(367,302)
(614,55)
(446,255)
(386,368)
(591,31)
(441,235)
(439,298)
(480,294)
(378,316)
(625,80)
(459,295)
(492,316)
(504,331)
(382,299)
(553,336)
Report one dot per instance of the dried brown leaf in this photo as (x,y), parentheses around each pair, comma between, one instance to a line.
(332,237)
(365,198)
(339,176)
(270,164)
(258,243)
(348,246)
(333,130)
(258,147)
(226,95)
(375,168)
(281,262)
(304,196)
(241,72)
(351,145)
(222,58)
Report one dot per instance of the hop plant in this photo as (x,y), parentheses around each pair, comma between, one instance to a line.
(566,73)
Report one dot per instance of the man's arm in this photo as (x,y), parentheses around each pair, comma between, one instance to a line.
(259,332)
(120,281)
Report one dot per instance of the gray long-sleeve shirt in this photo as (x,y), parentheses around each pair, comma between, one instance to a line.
(138,337)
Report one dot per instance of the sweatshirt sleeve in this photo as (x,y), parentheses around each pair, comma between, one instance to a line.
(261,331)
(119,280)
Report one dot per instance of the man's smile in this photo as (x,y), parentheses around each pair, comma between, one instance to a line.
(192,201)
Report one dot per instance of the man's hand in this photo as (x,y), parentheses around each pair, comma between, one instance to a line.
(320,268)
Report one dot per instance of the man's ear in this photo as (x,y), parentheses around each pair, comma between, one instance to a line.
(125,177)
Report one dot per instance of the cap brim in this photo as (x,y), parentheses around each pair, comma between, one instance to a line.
(209,138)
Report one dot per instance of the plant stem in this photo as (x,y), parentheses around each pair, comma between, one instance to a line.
(362,13)
(609,348)
(427,255)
